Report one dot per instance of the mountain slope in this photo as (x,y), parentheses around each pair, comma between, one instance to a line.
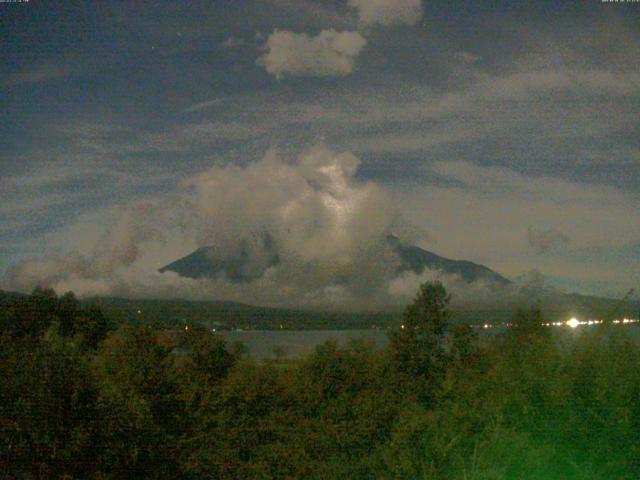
(204,263)
(416,259)
(243,267)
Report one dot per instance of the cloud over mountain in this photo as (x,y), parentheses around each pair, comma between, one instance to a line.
(326,224)
(477,127)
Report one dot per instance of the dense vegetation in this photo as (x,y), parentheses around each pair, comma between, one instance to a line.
(81,399)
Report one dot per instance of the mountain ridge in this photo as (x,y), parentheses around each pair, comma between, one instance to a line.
(203,263)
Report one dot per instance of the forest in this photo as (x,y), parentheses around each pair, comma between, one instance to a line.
(83,396)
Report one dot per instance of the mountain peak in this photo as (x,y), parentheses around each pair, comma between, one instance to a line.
(247,265)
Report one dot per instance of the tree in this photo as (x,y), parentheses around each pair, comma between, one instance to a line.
(140,412)
(47,409)
(28,317)
(527,324)
(204,363)
(239,349)
(92,327)
(464,349)
(279,351)
(208,353)
(418,347)
(88,325)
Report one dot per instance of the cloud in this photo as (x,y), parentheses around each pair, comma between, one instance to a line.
(497,181)
(547,107)
(544,240)
(466,57)
(232,42)
(38,73)
(387,12)
(479,294)
(116,142)
(310,13)
(327,226)
(482,213)
(203,105)
(329,54)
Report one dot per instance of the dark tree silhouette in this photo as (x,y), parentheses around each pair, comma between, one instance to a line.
(418,347)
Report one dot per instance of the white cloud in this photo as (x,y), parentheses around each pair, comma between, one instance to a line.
(329,54)
(326,225)
(480,294)
(387,12)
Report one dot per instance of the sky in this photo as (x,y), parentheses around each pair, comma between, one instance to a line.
(505,133)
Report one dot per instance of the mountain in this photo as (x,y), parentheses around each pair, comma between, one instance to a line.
(246,266)
(416,259)
(242,267)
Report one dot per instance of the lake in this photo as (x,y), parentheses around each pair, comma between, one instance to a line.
(298,343)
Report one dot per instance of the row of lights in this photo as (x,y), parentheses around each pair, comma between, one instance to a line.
(572,323)
(575,323)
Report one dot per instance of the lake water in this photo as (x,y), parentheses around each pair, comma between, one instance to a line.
(297,343)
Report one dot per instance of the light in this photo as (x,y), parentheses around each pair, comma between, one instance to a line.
(573,323)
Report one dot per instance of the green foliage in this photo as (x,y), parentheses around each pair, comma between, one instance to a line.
(47,408)
(29,317)
(527,325)
(147,403)
(208,357)
(326,417)
(418,348)
(464,349)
